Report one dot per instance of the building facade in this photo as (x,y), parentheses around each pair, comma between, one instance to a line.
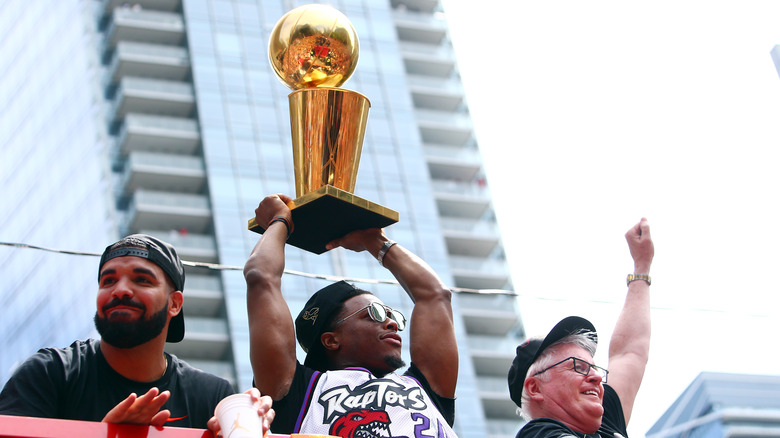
(54,175)
(197,132)
(720,405)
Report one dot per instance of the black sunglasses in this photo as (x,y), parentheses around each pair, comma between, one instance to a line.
(379,313)
(582,367)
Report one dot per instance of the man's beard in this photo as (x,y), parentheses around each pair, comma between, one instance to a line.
(395,362)
(129,334)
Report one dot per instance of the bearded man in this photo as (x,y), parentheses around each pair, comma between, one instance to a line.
(126,376)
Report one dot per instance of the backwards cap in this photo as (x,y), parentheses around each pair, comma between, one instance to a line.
(530,350)
(161,254)
(312,322)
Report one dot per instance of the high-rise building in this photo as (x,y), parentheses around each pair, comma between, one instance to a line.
(721,405)
(775,53)
(198,133)
(54,175)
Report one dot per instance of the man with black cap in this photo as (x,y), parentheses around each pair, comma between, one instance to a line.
(126,376)
(347,385)
(554,380)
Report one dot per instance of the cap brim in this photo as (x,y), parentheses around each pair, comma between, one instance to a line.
(567,326)
(176,328)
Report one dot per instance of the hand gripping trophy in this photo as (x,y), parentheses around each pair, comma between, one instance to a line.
(314,49)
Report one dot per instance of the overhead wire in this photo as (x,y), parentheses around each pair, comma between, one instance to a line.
(220,267)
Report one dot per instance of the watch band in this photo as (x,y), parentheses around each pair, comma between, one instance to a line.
(380,256)
(635,277)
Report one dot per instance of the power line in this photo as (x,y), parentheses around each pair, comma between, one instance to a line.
(219,267)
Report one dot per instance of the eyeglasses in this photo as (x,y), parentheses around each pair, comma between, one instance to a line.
(582,367)
(379,313)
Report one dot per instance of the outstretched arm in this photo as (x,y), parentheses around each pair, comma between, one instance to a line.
(433,347)
(630,344)
(271,330)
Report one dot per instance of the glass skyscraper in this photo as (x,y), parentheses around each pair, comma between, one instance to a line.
(188,129)
(721,405)
(54,175)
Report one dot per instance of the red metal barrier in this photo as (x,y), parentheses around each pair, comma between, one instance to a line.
(30,427)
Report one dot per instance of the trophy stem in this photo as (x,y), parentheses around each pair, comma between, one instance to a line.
(328,127)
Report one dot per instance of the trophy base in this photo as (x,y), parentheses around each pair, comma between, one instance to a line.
(328,213)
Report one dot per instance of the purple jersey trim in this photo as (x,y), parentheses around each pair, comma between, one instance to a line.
(306,400)
(414,379)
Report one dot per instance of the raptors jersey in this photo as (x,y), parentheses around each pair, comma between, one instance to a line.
(352,403)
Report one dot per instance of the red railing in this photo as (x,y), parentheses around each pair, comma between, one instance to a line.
(29,427)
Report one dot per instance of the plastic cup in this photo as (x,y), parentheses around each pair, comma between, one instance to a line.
(238,417)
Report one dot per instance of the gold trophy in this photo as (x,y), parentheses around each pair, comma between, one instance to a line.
(314,49)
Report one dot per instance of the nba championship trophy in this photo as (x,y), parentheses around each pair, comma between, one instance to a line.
(314,49)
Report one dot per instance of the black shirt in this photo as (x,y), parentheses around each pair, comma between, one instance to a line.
(76,383)
(613,423)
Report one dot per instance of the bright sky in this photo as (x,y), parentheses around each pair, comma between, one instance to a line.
(591,115)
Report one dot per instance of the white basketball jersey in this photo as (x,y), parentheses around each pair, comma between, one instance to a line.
(352,403)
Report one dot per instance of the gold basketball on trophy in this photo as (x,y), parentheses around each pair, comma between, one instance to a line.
(313,46)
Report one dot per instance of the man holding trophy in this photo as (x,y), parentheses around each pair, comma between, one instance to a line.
(353,348)
(347,385)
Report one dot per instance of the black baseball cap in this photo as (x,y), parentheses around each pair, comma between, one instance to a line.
(161,254)
(313,320)
(530,350)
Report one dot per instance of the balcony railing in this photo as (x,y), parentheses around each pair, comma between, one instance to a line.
(493,384)
(423,28)
(188,127)
(428,59)
(504,428)
(478,227)
(479,264)
(465,154)
(425,6)
(433,20)
(190,246)
(485,302)
(500,346)
(150,170)
(450,119)
(459,188)
(163,5)
(145,17)
(172,89)
(444,52)
(152,60)
(170,162)
(444,85)
(172,200)
(208,327)
(204,296)
(203,283)
(140,25)
(171,98)
(159,52)
(158,133)
(160,210)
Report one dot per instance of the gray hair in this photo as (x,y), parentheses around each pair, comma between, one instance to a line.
(584,339)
